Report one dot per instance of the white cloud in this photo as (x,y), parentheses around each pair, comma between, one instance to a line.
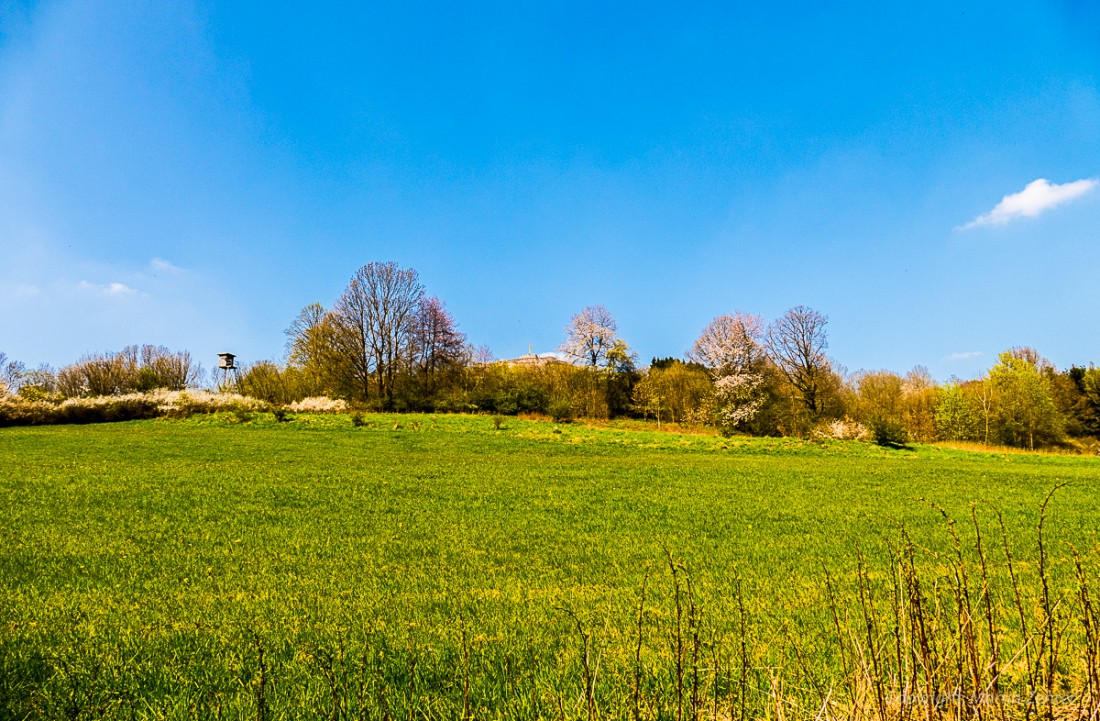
(163,266)
(966,355)
(1038,197)
(111,289)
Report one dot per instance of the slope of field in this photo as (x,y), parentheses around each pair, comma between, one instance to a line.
(434,567)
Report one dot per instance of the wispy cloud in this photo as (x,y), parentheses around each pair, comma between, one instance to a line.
(965,355)
(111,289)
(1038,197)
(18,291)
(160,265)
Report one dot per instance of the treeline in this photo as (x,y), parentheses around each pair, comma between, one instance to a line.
(385,344)
(134,369)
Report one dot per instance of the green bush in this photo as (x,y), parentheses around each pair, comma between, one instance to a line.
(561,411)
(241,413)
(889,432)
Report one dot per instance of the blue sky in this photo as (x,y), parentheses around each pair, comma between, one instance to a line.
(192,173)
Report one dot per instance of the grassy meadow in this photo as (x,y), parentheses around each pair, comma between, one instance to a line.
(438,567)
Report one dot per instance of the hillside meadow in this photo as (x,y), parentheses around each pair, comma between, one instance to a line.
(435,566)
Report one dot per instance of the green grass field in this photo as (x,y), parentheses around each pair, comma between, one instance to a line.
(433,567)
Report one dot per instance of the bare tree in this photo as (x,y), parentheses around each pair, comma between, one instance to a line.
(11,374)
(314,357)
(38,382)
(1032,356)
(161,368)
(104,374)
(372,325)
(264,380)
(796,343)
(590,335)
(436,342)
(131,370)
(301,335)
(479,355)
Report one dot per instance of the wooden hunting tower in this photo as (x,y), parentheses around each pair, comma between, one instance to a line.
(228,375)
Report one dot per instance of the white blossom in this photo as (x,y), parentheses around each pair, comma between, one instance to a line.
(319,404)
(729,342)
(738,396)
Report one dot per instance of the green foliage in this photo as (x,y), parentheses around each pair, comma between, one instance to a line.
(957,416)
(663,363)
(519,398)
(241,414)
(1090,406)
(1077,394)
(264,381)
(673,391)
(561,411)
(33,392)
(1023,410)
(918,405)
(878,394)
(889,432)
(39,384)
(499,388)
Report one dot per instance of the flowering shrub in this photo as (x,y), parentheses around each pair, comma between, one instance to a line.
(319,404)
(181,404)
(738,396)
(20,411)
(843,430)
(17,412)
